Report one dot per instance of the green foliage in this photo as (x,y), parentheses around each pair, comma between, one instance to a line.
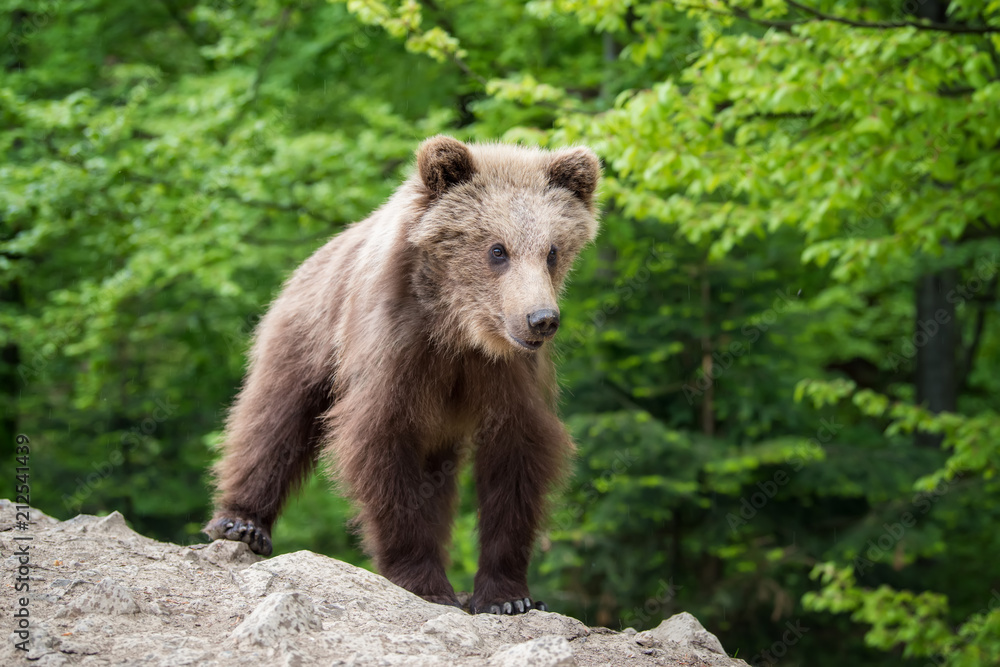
(919,622)
(742,353)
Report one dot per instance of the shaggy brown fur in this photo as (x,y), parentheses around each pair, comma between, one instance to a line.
(409,340)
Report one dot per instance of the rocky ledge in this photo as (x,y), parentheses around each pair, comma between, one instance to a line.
(101,594)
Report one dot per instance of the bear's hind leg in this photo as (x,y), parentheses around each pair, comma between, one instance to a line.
(271,444)
(439,493)
(401,528)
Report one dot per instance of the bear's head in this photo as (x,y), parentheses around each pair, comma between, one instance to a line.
(498,230)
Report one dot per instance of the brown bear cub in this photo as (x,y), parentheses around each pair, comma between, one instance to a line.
(409,340)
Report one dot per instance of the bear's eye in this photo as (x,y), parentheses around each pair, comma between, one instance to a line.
(498,253)
(552,256)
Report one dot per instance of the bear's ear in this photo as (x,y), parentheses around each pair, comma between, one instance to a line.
(577,170)
(443,162)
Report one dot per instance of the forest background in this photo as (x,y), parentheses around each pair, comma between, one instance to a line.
(780,360)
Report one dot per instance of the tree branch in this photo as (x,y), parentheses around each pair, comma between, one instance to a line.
(449,28)
(920,25)
(745,15)
(272,48)
(817,15)
(227,192)
(291,207)
(256,240)
(187,29)
(736,12)
(454,57)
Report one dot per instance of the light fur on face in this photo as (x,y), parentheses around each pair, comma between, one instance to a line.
(527,201)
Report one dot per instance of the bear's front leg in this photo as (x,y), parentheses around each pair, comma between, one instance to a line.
(518,460)
(404,519)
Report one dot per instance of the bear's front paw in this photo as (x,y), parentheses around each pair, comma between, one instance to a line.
(507,607)
(236,529)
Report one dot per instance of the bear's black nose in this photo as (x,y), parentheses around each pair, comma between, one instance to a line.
(544,322)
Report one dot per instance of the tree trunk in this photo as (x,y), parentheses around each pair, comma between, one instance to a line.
(708,402)
(936,376)
(936,340)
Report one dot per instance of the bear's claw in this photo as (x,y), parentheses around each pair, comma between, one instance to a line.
(512,607)
(255,536)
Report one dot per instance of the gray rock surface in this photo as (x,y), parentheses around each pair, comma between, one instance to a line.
(101,594)
(683,629)
(548,651)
